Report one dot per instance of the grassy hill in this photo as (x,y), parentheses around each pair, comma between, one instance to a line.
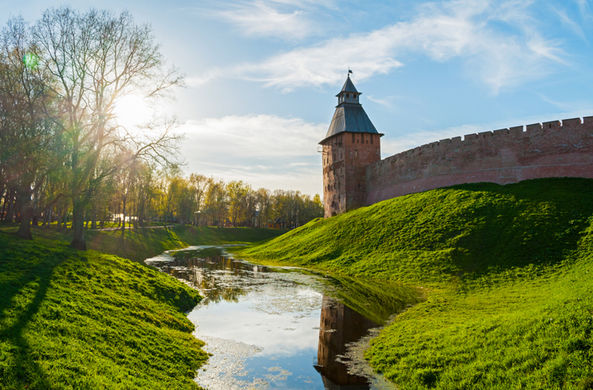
(506,270)
(89,320)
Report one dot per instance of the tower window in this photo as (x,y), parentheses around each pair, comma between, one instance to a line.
(353,138)
(372,139)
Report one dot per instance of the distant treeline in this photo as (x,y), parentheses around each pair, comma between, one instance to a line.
(65,157)
(139,195)
(207,201)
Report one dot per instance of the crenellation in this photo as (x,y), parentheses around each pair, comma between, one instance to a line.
(552,125)
(572,122)
(517,131)
(502,156)
(533,127)
(500,132)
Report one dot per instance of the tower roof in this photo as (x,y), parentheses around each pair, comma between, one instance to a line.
(348,86)
(349,116)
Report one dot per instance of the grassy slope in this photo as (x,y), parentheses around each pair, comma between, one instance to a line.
(507,274)
(90,320)
(73,319)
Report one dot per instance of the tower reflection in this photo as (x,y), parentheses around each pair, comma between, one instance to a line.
(339,326)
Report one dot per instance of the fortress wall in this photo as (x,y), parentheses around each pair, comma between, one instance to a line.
(550,149)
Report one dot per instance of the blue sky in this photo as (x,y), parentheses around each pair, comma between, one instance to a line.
(261,75)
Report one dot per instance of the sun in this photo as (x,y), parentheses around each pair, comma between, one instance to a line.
(132,111)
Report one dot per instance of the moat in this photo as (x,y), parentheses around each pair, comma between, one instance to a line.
(276,328)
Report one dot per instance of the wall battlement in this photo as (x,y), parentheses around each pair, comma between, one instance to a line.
(550,149)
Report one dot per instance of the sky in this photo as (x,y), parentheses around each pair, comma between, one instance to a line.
(261,75)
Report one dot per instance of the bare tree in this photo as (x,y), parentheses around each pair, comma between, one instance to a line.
(97,57)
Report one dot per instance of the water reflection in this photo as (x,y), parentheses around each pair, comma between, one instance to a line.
(339,326)
(214,275)
(274,328)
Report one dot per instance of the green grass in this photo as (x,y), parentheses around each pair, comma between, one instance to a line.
(72,320)
(506,272)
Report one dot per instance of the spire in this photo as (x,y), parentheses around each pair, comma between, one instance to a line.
(348,94)
(348,85)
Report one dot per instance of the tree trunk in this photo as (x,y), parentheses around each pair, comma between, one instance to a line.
(123,225)
(3,213)
(94,216)
(26,211)
(45,217)
(78,241)
(10,213)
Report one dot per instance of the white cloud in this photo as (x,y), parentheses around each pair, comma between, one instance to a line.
(387,101)
(571,24)
(584,8)
(262,150)
(280,19)
(497,40)
(368,54)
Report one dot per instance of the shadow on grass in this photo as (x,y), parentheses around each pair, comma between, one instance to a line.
(18,276)
(532,222)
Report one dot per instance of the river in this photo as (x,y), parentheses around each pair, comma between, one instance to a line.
(278,328)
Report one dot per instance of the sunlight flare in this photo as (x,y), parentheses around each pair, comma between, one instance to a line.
(132,111)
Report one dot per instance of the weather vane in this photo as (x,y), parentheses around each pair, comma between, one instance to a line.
(349,72)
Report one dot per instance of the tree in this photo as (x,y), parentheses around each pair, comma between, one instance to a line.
(263,207)
(181,200)
(199,185)
(27,131)
(237,193)
(216,203)
(97,57)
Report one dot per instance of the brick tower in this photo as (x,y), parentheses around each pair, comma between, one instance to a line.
(350,145)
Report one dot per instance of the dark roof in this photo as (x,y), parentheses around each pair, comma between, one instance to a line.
(351,118)
(348,86)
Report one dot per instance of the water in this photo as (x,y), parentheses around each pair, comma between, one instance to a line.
(274,328)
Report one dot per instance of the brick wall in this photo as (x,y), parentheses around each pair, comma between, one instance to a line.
(551,149)
(346,157)
(334,180)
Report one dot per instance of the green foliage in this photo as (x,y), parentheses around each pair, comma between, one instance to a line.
(506,270)
(89,320)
